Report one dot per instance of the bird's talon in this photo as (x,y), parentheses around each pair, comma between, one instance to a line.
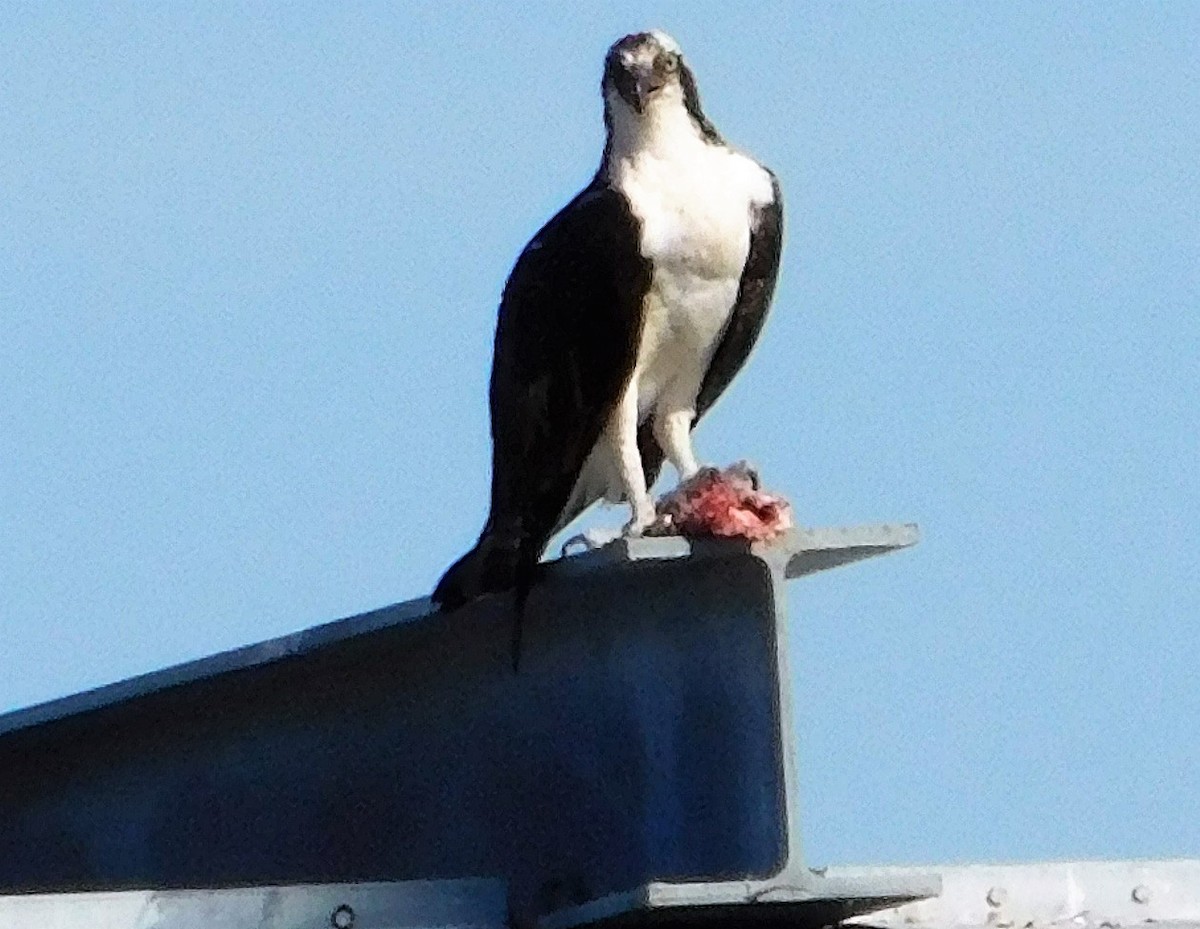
(589,541)
(642,520)
(748,471)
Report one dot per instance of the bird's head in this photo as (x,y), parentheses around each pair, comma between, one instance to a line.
(646,78)
(644,68)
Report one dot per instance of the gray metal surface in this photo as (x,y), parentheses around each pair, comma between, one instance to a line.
(801,551)
(797,553)
(1044,895)
(1070,894)
(795,897)
(463,904)
(640,764)
(812,550)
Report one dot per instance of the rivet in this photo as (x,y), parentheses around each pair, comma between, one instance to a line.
(1141,894)
(342,917)
(997,896)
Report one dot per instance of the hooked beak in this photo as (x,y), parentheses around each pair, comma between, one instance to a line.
(648,80)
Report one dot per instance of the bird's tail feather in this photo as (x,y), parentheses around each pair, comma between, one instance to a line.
(495,564)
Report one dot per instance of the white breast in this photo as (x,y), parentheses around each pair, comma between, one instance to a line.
(695,201)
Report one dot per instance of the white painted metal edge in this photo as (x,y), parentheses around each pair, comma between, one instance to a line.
(1083,894)
(451,904)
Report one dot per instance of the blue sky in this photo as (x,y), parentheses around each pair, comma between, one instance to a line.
(249,263)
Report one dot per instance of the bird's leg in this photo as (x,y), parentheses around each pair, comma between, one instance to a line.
(674,433)
(622,434)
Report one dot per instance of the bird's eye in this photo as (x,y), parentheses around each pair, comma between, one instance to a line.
(670,62)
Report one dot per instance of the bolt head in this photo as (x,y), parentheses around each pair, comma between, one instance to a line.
(997,897)
(342,917)
(1141,894)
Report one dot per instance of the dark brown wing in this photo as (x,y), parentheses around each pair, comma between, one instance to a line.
(566,344)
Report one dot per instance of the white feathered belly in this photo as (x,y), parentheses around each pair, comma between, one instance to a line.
(683,320)
(695,220)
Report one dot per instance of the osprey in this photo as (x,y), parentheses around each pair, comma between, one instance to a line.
(623,320)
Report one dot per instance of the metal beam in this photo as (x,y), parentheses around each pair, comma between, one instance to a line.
(640,765)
